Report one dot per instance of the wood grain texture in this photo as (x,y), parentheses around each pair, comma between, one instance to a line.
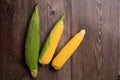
(119,43)
(95,59)
(100,19)
(14,16)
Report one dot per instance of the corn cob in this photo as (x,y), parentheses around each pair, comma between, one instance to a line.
(51,43)
(66,52)
(32,43)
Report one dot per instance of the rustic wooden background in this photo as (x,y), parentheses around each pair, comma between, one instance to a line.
(95,59)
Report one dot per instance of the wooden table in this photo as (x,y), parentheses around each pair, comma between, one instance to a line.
(95,59)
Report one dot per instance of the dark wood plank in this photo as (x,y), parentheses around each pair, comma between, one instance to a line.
(97,57)
(65,72)
(50,12)
(14,16)
(119,42)
(79,21)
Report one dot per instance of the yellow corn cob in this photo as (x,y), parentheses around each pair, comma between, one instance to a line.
(68,50)
(51,42)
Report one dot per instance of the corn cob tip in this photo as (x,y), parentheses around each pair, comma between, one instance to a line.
(43,65)
(34,73)
(36,6)
(62,17)
(82,31)
(55,67)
